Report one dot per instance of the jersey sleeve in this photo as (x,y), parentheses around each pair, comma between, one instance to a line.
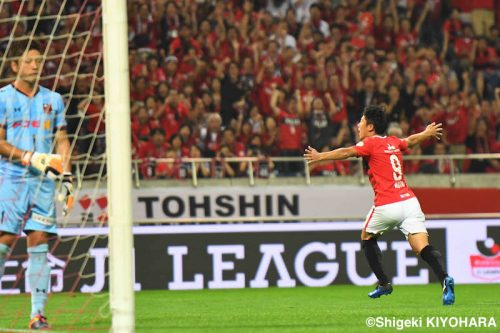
(364,148)
(403,144)
(60,120)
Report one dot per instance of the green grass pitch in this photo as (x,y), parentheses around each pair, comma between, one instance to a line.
(332,309)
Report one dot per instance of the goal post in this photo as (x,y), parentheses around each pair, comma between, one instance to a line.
(118,155)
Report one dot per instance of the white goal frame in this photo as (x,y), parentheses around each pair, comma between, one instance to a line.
(119,168)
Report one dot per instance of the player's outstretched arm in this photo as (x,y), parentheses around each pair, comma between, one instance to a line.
(312,155)
(431,131)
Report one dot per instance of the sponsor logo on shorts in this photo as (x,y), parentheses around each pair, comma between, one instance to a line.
(42,219)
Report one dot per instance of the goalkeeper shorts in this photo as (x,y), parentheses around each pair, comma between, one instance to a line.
(27,203)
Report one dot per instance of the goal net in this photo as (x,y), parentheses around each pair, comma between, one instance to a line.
(70,33)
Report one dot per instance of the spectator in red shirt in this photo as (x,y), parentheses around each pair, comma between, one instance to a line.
(142,27)
(339,97)
(142,126)
(171,169)
(407,35)
(155,74)
(329,168)
(451,30)
(290,130)
(232,148)
(156,147)
(266,79)
(207,38)
(309,90)
(140,89)
(384,31)
(186,136)
(183,43)
(423,117)
(413,166)
(455,124)
(176,146)
(371,46)
(173,114)
(463,45)
(486,64)
(173,77)
(484,56)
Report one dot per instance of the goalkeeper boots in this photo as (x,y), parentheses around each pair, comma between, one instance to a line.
(448,291)
(381,290)
(39,322)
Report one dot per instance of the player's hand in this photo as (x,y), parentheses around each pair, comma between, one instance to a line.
(66,192)
(48,164)
(311,155)
(435,130)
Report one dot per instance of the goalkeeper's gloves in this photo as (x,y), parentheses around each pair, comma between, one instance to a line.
(66,192)
(48,164)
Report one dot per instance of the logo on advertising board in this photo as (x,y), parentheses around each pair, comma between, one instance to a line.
(486,264)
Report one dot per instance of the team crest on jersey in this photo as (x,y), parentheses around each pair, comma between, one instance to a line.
(47,108)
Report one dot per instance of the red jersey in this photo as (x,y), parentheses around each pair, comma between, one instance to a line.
(385,168)
(290,128)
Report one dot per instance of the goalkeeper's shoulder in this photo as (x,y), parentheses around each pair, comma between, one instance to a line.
(6,93)
(53,95)
(5,89)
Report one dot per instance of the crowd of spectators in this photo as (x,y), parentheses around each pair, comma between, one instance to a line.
(267,78)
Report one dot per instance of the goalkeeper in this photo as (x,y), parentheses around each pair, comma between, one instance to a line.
(31,125)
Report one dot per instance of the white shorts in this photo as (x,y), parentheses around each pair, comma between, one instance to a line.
(407,216)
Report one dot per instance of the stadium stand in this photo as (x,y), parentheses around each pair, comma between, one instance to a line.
(267,78)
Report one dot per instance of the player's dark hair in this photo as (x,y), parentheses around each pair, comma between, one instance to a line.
(375,115)
(18,47)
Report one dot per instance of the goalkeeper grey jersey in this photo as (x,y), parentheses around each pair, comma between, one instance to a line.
(30,123)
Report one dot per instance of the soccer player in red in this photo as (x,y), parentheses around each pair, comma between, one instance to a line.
(395,204)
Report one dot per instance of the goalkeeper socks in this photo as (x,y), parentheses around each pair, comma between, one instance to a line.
(4,250)
(39,277)
(432,256)
(374,257)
